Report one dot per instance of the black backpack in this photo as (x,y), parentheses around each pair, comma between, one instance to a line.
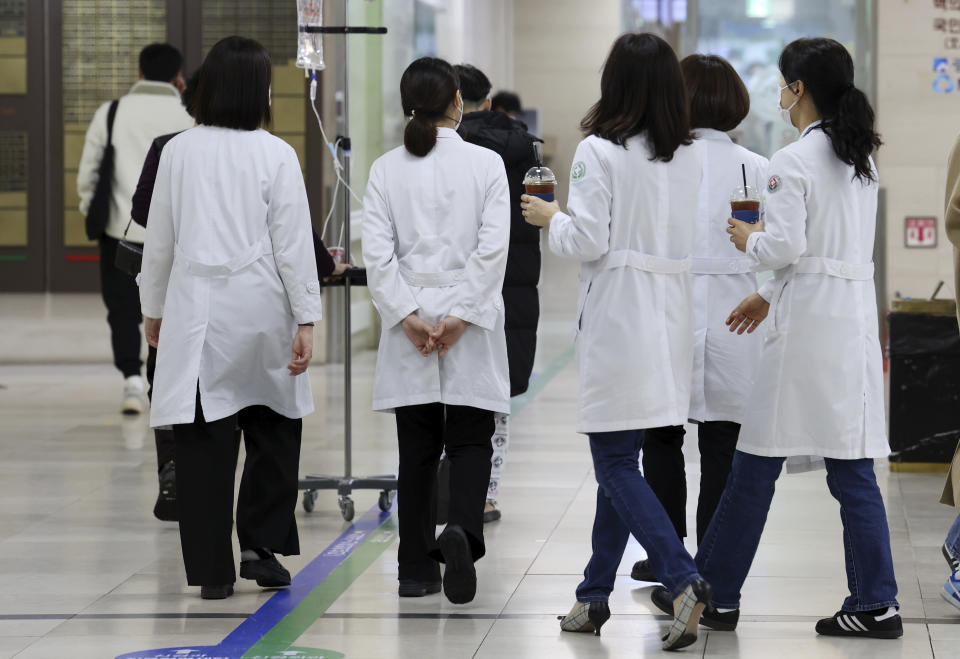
(99,212)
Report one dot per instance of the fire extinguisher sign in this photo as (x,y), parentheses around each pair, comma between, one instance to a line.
(921,232)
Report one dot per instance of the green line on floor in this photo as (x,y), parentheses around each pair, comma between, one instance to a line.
(13,257)
(539,383)
(293,626)
(280,638)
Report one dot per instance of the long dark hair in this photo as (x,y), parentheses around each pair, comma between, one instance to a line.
(826,69)
(234,87)
(427,88)
(641,91)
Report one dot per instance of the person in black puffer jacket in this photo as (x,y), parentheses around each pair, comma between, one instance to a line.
(509,138)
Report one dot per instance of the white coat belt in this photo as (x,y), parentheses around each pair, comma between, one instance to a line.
(252,254)
(818,265)
(647,262)
(720,266)
(432,279)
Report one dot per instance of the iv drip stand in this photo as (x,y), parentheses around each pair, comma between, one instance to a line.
(344,485)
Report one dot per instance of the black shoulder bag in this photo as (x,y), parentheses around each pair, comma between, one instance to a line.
(99,212)
(129,255)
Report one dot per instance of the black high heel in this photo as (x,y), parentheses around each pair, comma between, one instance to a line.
(585,617)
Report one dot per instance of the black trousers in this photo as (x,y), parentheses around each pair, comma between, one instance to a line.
(206,468)
(166,445)
(423,432)
(122,298)
(663,467)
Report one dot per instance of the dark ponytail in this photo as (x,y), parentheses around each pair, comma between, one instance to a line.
(826,69)
(427,88)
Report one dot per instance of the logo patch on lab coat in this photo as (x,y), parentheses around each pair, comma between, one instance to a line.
(773,184)
(578,171)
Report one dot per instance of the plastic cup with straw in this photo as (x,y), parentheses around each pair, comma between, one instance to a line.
(745,201)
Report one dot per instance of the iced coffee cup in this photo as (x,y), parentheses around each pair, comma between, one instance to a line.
(745,204)
(540,182)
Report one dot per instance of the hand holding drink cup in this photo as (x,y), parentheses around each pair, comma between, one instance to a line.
(744,212)
(540,184)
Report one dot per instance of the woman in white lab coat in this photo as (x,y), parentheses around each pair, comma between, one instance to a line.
(436,228)
(723,364)
(819,386)
(631,213)
(229,269)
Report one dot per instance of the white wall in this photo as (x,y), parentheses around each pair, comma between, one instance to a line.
(478,32)
(918,127)
(559,49)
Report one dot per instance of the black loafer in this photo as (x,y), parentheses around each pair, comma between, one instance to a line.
(491,516)
(216,592)
(643,572)
(721,622)
(166,507)
(413,588)
(460,576)
(267,572)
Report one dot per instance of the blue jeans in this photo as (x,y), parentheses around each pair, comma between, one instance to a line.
(953,538)
(727,551)
(625,505)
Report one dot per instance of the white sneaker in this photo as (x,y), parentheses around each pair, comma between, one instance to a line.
(134,395)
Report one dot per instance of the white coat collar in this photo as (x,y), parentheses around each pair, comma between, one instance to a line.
(443,131)
(711,134)
(154,87)
(810,128)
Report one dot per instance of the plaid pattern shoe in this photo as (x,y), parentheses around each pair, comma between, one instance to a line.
(858,623)
(585,618)
(721,622)
(951,589)
(686,615)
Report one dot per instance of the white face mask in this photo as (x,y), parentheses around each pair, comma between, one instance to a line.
(785,112)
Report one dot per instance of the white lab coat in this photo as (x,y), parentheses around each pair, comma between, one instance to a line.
(630,221)
(435,236)
(819,386)
(229,265)
(724,364)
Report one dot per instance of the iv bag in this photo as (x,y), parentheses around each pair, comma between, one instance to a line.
(309,45)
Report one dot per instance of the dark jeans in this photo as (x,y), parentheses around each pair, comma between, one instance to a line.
(206,469)
(166,445)
(663,467)
(625,505)
(423,432)
(122,298)
(953,538)
(727,551)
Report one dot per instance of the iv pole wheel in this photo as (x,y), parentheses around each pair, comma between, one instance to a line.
(347,509)
(386,500)
(310,500)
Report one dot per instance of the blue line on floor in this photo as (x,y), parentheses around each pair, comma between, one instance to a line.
(251,630)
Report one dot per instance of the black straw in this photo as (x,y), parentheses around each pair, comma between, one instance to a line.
(743,170)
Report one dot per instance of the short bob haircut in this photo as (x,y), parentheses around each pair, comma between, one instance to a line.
(234,88)
(641,91)
(718,97)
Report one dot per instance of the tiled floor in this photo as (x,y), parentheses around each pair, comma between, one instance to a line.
(88,572)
